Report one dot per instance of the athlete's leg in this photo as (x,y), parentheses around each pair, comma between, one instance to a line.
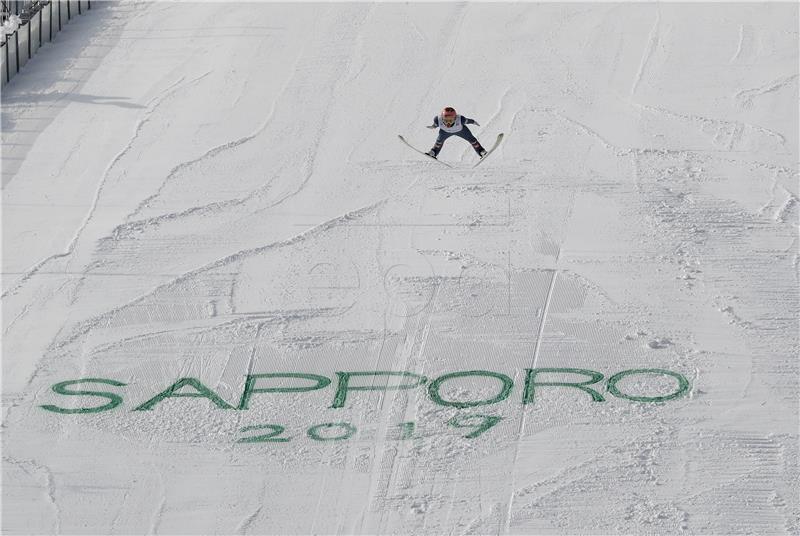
(467,134)
(437,146)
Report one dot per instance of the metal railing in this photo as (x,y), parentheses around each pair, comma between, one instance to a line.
(27,25)
(16,7)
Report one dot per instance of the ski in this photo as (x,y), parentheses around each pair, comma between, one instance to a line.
(422,152)
(496,143)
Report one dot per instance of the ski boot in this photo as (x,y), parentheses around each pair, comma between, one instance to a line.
(479,148)
(431,153)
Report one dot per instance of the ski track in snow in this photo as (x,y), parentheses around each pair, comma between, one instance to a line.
(746,97)
(49,485)
(86,327)
(521,430)
(244,526)
(649,50)
(210,153)
(739,44)
(96,197)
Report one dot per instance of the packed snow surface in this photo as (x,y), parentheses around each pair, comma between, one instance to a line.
(197,196)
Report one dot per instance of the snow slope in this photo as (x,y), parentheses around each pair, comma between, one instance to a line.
(211,191)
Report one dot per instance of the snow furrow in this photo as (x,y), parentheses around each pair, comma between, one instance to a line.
(650,48)
(343,219)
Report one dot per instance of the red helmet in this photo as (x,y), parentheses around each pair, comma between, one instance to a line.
(449,116)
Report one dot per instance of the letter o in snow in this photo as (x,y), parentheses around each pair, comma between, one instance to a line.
(683,385)
(435,385)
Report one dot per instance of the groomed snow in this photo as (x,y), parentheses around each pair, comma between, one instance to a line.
(195,193)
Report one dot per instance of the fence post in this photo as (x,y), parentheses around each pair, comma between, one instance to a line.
(16,48)
(69,11)
(59,14)
(8,67)
(50,20)
(79,7)
(40,27)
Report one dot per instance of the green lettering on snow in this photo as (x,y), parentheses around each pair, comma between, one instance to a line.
(529,392)
(683,385)
(505,390)
(61,388)
(250,389)
(172,392)
(344,387)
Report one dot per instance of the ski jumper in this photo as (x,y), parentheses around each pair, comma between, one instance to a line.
(459,128)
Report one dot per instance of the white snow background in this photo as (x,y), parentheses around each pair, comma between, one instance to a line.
(213,190)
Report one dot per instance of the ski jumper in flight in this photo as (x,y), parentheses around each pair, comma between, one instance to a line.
(451,123)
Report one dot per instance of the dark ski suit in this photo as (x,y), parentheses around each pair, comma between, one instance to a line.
(464,132)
